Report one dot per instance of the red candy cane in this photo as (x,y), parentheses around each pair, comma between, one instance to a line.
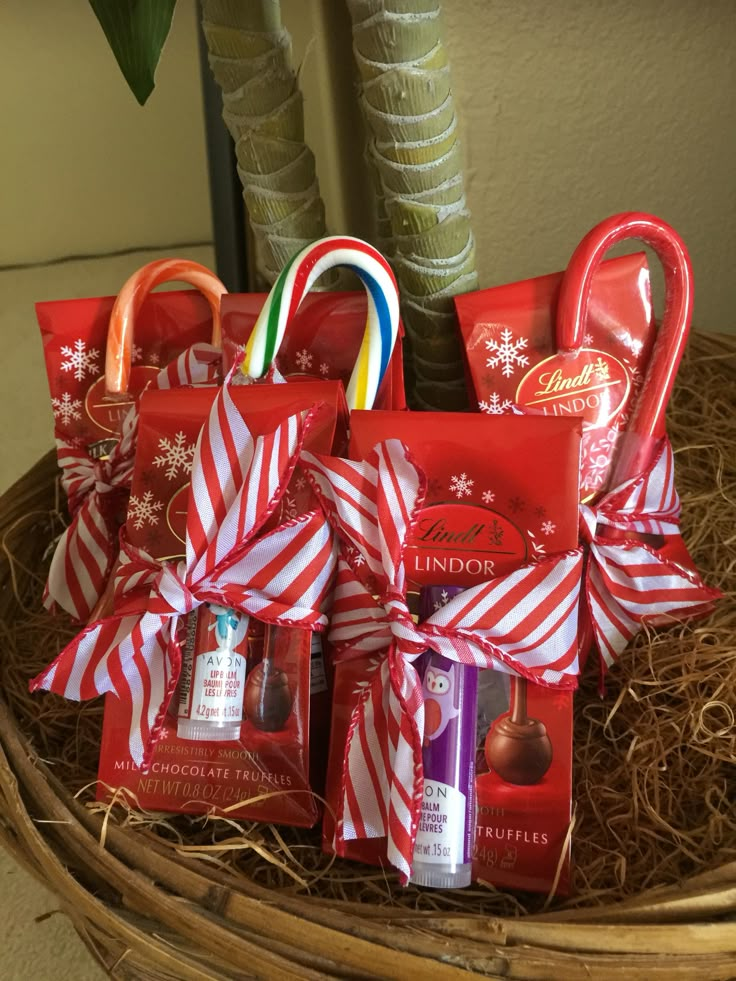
(572,311)
(130,300)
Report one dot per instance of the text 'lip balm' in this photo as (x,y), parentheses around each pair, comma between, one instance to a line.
(444,844)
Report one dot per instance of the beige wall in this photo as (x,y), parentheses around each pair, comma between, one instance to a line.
(576,109)
(83,168)
(569,112)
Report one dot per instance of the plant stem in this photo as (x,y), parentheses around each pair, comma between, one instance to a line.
(249,54)
(414,148)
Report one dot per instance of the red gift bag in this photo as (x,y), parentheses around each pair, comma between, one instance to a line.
(511,349)
(95,403)
(500,493)
(278,756)
(215,526)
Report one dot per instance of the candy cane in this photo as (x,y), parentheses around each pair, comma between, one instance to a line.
(572,311)
(130,300)
(293,284)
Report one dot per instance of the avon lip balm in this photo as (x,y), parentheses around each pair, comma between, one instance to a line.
(444,842)
(214,666)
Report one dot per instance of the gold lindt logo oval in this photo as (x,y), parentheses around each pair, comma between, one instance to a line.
(592,384)
(462,544)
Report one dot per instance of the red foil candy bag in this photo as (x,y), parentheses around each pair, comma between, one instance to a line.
(270,682)
(578,331)
(75,338)
(95,405)
(511,351)
(500,493)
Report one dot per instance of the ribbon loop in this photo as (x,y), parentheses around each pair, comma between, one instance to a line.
(171,586)
(85,552)
(629,583)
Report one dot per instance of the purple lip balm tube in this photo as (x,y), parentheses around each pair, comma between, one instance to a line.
(444,845)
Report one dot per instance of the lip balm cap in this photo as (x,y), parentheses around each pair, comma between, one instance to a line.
(206,732)
(441,876)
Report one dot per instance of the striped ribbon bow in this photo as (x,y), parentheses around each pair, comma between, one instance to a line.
(524,623)
(627,581)
(281,576)
(96,492)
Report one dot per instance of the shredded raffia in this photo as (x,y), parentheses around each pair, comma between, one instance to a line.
(655,774)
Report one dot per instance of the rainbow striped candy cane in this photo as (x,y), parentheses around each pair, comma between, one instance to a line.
(293,284)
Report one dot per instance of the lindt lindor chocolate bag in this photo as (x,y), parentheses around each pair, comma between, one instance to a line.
(511,348)
(237,729)
(577,343)
(75,337)
(500,492)
(97,370)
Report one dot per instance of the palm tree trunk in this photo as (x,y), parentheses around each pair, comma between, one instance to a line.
(414,148)
(249,54)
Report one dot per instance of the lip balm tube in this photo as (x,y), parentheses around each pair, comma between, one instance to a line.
(444,844)
(214,666)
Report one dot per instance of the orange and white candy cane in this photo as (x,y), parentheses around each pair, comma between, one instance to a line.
(130,299)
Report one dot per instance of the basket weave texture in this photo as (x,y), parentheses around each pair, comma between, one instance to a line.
(153,901)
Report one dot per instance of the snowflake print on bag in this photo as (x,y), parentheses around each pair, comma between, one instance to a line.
(324,369)
(506,353)
(80,360)
(517,504)
(66,408)
(637,379)
(461,485)
(538,548)
(304,359)
(548,527)
(596,454)
(587,339)
(137,354)
(291,509)
(601,369)
(177,454)
(144,510)
(442,601)
(495,406)
(488,497)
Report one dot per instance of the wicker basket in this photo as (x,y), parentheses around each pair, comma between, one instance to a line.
(148,910)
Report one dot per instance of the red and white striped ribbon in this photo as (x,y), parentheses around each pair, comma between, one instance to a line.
(86,551)
(627,582)
(524,623)
(282,576)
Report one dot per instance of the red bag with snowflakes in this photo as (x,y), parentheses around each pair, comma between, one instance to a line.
(512,356)
(278,751)
(96,371)
(580,343)
(322,340)
(501,502)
